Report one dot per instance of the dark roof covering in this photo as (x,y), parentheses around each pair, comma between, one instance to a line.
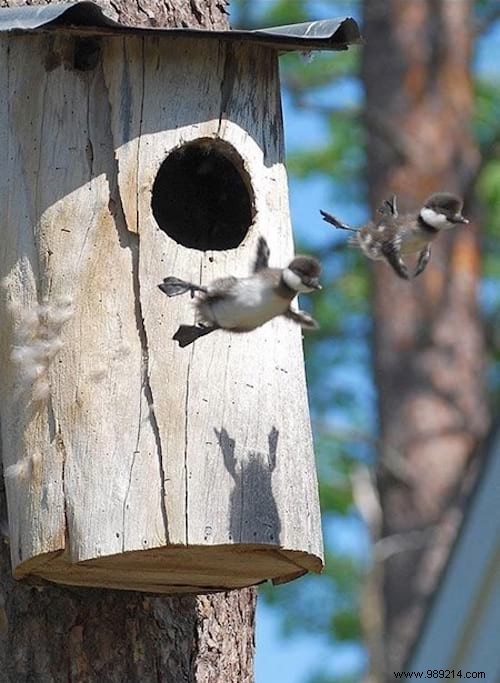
(328,34)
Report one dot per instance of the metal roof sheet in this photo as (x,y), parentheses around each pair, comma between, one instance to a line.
(87,17)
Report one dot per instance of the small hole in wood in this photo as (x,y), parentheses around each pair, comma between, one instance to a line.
(202,196)
(86,54)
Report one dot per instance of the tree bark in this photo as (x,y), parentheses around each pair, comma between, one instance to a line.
(180,13)
(52,634)
(428,345)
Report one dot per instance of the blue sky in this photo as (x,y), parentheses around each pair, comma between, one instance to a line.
(293,659)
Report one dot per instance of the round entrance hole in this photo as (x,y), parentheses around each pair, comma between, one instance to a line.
(202,196)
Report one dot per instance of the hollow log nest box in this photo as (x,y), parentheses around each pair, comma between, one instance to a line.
(127,155)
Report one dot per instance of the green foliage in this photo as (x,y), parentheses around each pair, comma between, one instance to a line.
(487,127)
(336,496)
(488,188)
(341,156)
(285,12)
(346,624)
(314,87)
(324,70)
(487,112)
(245,14)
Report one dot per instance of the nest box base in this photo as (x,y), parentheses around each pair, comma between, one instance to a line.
(176,569)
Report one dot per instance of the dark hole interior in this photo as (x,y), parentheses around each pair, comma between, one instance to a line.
(202,196)
(87,54)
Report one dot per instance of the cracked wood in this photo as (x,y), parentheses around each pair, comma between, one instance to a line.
(145,493)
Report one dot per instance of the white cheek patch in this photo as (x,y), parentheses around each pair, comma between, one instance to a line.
(293,281)
(437,220)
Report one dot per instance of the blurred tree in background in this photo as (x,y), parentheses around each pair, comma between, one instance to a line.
(433,345)
(428,343)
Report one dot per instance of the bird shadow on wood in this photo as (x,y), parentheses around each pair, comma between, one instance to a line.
(253,514)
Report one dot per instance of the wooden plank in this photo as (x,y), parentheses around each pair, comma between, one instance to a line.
(124,76)
(178,569)
(181,100)
(238,383)
(101,438)
(32,462)
(112,478)
(260,395)
(139,444)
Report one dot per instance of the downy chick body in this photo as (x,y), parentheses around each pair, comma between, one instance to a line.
(243,304)
(393,236)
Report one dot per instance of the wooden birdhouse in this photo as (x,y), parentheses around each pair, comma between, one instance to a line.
(128,155)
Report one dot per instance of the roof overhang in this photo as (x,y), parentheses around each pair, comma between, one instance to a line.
(87,17)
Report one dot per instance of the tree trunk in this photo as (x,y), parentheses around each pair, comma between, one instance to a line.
(428,346)
(51,634)
(195,13)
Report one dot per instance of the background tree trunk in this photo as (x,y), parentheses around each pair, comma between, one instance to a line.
(52,634)
(428,345)
(193,13)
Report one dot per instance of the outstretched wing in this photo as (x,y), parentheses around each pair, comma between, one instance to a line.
(262,258)
(389,207)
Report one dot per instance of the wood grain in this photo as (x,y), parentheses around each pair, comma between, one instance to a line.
(159,468)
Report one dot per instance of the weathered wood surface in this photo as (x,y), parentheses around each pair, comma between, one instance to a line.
(146,466)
